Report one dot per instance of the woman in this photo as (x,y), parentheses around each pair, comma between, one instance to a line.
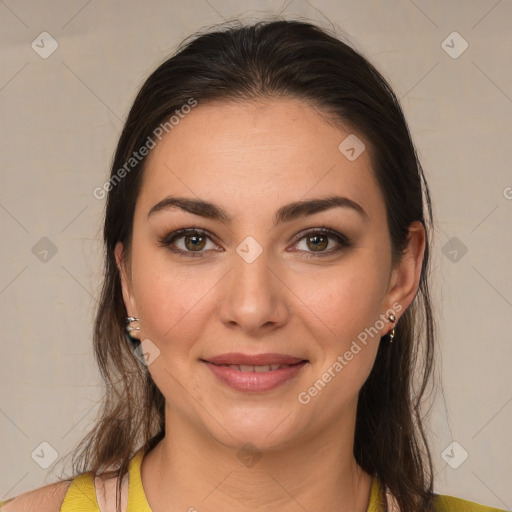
(268,253)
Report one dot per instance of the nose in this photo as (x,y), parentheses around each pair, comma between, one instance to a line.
(254,298)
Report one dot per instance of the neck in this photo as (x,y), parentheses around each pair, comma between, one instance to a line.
(188,471)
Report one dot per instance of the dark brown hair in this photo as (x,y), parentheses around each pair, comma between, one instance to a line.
(271,59)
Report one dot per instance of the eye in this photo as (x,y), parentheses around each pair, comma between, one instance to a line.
(192,241)
(318,240)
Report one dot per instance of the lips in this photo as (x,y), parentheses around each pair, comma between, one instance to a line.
(255,368)
(262,372)
(235,358)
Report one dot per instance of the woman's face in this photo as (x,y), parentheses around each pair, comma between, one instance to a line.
(261,281)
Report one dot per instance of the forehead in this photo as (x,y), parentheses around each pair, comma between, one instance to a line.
(241,154)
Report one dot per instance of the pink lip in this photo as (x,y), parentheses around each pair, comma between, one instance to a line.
(255,381)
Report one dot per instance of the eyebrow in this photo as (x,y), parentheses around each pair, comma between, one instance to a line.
(286,213)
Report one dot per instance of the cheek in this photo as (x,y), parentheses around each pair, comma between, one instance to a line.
(343,301)
(344,306)
(173,307)
(344,311)
(172,301)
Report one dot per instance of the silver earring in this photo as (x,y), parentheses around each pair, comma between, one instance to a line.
(129,327)
(391,333)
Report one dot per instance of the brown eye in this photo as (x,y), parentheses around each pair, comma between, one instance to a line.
(194,242)
(317,242)
(187,242)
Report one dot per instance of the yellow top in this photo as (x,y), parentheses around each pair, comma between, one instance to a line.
(81,495)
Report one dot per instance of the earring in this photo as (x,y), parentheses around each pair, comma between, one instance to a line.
(391,333)
(130,329)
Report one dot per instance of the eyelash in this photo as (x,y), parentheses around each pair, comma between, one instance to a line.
(343,241)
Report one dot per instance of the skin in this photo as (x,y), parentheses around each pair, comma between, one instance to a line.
(251,158)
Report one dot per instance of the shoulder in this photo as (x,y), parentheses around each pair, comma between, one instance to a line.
(445,503)
(44,499)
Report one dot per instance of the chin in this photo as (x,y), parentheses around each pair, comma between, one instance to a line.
(260,430)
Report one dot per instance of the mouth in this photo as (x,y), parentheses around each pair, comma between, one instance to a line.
(239,359)
(255,373)
(257,368)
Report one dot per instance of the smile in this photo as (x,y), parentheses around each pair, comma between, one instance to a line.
(260,369)
(255,378)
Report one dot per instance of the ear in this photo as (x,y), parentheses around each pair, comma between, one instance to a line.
(129,300)
(405,277)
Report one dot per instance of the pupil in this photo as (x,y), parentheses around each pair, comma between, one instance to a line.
(316,238)
(196,240)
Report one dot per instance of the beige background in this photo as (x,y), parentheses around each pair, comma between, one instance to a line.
(61,117)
